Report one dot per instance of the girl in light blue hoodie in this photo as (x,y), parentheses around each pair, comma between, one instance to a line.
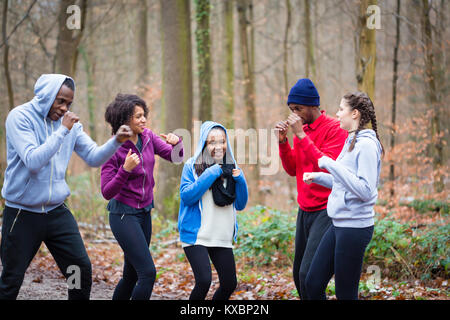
(353,179)
(212,189)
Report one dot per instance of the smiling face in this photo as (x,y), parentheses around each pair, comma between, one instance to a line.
(216,144)
(62,103)
(138,120)
(348,118)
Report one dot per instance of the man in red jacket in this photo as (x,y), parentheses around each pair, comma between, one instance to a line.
(315,135)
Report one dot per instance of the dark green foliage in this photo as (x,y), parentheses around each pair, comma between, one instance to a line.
(265,235)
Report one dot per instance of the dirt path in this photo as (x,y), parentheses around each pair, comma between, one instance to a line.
(44,281)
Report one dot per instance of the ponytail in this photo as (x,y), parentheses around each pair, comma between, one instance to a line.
(361,102)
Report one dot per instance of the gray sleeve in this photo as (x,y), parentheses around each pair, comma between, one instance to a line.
(324,179)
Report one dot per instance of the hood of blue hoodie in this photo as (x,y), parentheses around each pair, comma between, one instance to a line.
(206,127)
(189,216)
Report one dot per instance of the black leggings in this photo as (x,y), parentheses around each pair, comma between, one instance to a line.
(311,226)
(223,260)
(133,233)
(341,253)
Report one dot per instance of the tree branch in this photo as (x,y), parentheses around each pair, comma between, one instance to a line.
(18,24)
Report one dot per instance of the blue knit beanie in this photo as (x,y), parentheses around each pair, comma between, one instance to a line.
(304,93)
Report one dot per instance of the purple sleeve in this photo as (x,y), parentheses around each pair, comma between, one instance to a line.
(166,151)
(113,178)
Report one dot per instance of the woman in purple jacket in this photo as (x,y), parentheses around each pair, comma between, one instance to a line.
(127,181)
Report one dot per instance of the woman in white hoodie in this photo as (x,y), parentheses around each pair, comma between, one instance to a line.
(353,178)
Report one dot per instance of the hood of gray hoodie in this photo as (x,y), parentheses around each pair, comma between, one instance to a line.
(45,91)
(28,127)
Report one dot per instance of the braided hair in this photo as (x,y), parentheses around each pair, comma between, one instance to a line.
(121,110)
(361,102)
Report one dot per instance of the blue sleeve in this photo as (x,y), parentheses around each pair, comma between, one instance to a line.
(90,152)
(22,137)
(192,190)
(241,192)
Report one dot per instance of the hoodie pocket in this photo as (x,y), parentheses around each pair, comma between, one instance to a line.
(352,201)
(336,202)
(25,189)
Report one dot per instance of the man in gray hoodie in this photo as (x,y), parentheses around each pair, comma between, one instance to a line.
(41,136)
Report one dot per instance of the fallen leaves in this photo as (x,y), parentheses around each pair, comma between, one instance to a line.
(175,279)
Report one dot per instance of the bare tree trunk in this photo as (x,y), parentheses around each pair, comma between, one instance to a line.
(442,74)
(365,52)
(251,27)
(432,97)
(177,94)
(285,46)
(246,59)
(229,63)
(291,182)
(249,85)
(202,36)
(394,98)
(68,40)
(142,75)
(90,91)
(316,54)
(310,65)
(6,56)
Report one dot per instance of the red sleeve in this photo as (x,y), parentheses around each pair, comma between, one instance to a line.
(287,156)
(332,145)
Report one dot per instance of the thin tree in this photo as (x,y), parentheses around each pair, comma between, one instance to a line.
(202,37)
(310,65)
(88,68)
(229,63)
(285,46)
(432,96)
(246,39)
(394,97)
(6,56)
(365,51)
(142,69)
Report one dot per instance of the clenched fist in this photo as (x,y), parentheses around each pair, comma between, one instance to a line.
(296,124)
(282,128)
(69,119)
(308,177)
(131,161)
(124,133)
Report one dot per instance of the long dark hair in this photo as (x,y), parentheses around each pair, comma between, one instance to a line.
(361,102)
(121,110)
